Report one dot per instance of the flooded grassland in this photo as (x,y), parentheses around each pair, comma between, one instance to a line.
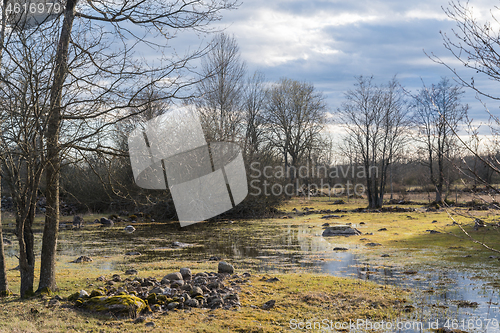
(413,266)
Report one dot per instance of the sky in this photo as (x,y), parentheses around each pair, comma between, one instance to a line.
(329,43)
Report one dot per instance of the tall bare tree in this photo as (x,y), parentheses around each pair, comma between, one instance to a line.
(295,117)
(254,103)
(376,120)
(99,32)
(438,113)
(221,90)
(3,273)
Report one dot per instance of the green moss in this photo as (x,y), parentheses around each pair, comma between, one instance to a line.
(44,291)
(161,299)
(5,293)
(97,292)
(122,304)
(152,299)
(73,297)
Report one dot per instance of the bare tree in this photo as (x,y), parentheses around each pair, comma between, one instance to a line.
(254,104)
(474,44)
(26,73)
(375,118)
(221,90)
(438,113)
(295,117)
(3,273)
(111,80)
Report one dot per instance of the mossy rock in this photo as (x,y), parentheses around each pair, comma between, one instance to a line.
(96,293)
(161,299)
(121,305)
(152,299)
(73,297)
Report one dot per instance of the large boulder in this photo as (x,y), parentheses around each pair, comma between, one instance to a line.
(340,230)
(120,305)
(106,222)
(224,267)
(172,277)
(186,273)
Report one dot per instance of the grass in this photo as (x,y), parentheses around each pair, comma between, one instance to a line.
(301,295)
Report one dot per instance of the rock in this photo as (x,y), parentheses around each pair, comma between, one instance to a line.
(101,278)
(173,276)
(97,292)
(274,279)
(373,244)
(150,324)
(82,259)
(176,283)
(130,229)
(268,305)
(133,253)
(362,223)
(180,245)
(382,229)
(330,216)
(215,301)
(224,267)
(6,242)
(385,256)
(196,291)
(214,285)
(117,278)
(435,221)
(53,303)
(186,273)
(193,303)
(325,225)
(77,221)
(139,320)
(214,258)
(433,231)
(121,304)
(106,222)
(157,291)
(172,305)
(131,272)
(83,293)
(340,249)
(156,308)
(340,230)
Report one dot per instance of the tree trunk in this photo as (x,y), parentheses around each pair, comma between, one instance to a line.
(26,247)
(3,272)
(50,231)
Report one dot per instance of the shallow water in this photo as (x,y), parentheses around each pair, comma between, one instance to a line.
(267,247)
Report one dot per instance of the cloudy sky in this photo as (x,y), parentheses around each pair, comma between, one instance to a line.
(329,43)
